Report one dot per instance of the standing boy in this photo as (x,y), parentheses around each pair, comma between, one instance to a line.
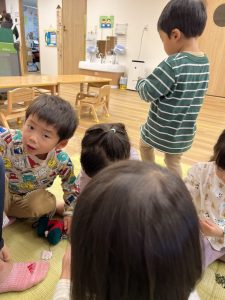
(177,86)
(33,159)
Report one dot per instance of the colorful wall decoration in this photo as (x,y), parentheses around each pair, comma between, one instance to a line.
(50,38)
(106,21)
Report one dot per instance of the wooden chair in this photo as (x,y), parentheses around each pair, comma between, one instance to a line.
(40,91)
(100,99)
(16,105)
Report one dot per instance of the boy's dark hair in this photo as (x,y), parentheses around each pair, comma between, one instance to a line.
(55,111)
(135,235)
(189,16)
(219,151)
(102,144)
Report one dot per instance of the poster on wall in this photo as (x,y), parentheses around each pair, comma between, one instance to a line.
(106,21)
(50,38)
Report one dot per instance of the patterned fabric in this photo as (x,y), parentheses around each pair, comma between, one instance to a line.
(176,89)
(208,193)
(27,173)
(2,197)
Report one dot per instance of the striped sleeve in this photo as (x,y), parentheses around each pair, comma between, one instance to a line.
(157,84)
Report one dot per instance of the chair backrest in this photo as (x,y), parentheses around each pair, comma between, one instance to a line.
(22,96)
(104,93)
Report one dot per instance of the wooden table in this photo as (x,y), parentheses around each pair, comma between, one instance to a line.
(93,81)
(45,81)
(51,82)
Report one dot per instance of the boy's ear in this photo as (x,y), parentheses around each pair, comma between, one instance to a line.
(175,34)
(62,144)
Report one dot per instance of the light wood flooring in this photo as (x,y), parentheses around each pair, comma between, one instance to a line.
(126,106)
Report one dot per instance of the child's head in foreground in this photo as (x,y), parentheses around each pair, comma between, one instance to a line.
(50,122)
(179,21)
(135,235)
(219,155)
(103,144)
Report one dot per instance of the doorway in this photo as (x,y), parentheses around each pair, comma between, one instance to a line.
(71,35)
(212,42)
(31,35)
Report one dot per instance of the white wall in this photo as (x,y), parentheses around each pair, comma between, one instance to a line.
(137,14)
(47,20)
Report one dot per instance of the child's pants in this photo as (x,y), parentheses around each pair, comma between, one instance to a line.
(172,161)
(33,204)
(210,255)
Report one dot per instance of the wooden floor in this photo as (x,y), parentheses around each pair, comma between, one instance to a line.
(126,106)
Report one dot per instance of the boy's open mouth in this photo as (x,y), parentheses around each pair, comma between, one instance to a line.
(30,147)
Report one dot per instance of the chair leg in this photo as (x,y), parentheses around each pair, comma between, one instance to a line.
(3,120)
(78,108)
(78,98)
(106,110)
(95,115)
(19,121)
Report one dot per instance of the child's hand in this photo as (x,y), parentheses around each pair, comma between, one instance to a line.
(4,254)
(67,224)
(210,229)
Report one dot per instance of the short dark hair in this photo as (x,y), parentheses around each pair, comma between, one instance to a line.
(219,151)
(189,16)
(135,235)
(55,111)
(102,144)
(8,17)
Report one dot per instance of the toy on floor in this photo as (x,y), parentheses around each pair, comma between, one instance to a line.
(51,229)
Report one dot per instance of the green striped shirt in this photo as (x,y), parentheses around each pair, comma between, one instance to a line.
(176,90)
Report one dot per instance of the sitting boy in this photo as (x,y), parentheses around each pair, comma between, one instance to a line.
(33,158)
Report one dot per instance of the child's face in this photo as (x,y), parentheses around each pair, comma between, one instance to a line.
(39,138)
(170,43)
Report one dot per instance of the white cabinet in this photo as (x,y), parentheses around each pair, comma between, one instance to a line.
(136,70)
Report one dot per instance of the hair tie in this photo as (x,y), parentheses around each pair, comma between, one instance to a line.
(113,129)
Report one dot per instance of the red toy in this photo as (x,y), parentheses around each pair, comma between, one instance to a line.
(51,229)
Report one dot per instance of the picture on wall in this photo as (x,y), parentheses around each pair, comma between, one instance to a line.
(106,21)
(50,38)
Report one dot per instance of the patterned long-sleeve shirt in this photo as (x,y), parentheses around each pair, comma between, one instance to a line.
(176,90)
(27,173)
(208,193)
